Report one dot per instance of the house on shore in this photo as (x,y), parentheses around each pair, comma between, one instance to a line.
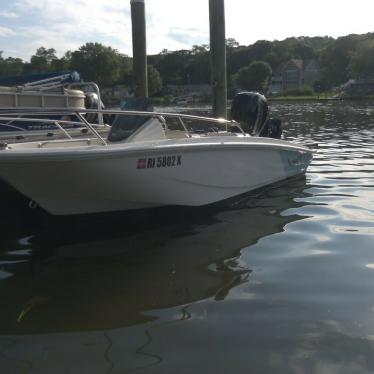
(295,74)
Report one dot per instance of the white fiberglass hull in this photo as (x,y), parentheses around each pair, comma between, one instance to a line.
(189,172)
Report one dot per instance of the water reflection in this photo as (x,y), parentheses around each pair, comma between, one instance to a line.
(73,278)
(110,278)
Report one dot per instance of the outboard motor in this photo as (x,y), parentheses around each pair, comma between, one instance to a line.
(91,101)
(251,110)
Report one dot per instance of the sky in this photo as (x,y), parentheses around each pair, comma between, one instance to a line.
(66,25)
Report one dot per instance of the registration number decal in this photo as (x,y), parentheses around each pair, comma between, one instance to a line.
(159,162)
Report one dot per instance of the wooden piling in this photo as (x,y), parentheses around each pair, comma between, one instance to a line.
(218,57)
(139,47)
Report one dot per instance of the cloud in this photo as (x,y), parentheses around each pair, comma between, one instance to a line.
(176,25)
(67,24)
(7,14)
(5,31)
(187,37)
(171,24)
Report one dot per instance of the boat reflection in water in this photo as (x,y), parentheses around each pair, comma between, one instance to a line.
(91,295)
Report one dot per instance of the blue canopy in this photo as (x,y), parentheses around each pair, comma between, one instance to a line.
(62,76)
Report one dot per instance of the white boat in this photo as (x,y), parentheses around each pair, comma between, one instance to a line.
(148,162)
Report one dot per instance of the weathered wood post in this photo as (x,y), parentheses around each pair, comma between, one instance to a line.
(139,47)
(218,57)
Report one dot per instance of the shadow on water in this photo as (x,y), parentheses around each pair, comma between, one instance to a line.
(106,272)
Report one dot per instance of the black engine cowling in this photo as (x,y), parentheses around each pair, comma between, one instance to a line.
(251,110)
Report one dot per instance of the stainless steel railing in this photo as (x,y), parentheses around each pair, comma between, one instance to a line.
(13,116)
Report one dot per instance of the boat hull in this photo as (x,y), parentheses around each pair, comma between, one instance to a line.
(194,174)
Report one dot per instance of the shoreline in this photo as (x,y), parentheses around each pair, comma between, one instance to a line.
(318,99)
(271,99)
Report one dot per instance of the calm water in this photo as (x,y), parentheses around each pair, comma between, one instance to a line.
(279,281)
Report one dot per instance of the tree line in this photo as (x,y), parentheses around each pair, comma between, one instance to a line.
(340,59)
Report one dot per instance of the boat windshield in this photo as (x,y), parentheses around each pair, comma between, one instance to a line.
(125,125)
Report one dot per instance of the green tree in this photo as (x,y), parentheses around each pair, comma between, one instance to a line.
(242,56)
(197,69)
(254,77)
(336,60)
(261,49)
(154,80)
(231,43)
(198,49)
(238,58)
(362,63)
(41,62)
(98,63)
(13,66)
(63,63)
(303,51)
(172,66)
(10,66)
(126,73)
